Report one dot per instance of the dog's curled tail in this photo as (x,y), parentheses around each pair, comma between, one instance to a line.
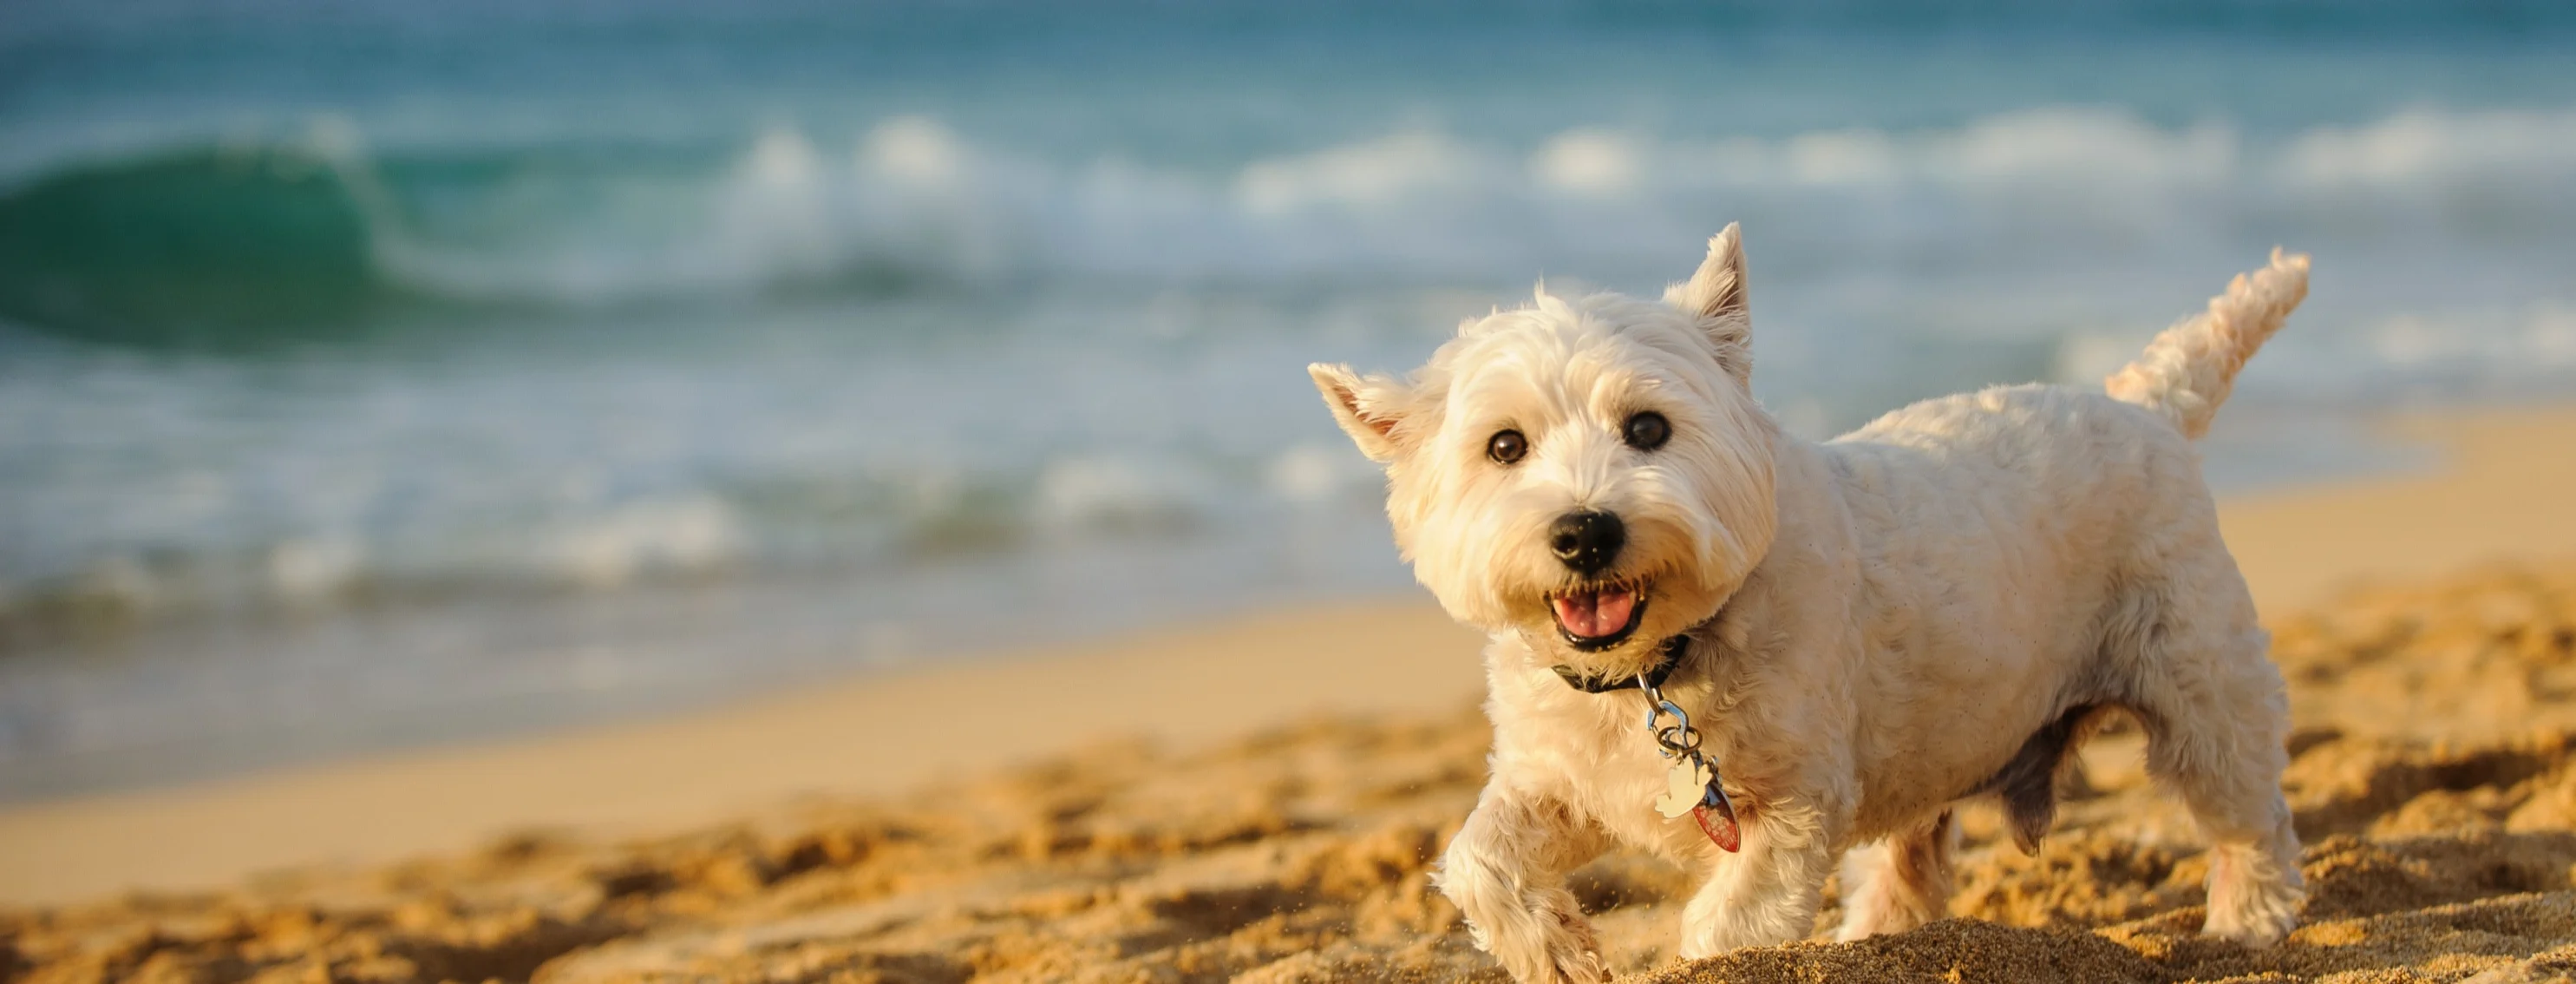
(2187,371)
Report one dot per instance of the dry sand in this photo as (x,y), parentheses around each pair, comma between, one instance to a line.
(2435,779)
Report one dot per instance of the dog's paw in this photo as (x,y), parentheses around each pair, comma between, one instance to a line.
(1549,942)
(2255,923)
(1577,951)
(2253,899)
(2258,933)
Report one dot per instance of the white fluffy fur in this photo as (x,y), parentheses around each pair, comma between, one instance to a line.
(1877,622)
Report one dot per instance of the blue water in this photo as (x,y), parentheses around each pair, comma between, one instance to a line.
(375,373)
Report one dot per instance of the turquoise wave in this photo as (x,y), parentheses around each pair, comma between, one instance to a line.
(192,247)
(318,238)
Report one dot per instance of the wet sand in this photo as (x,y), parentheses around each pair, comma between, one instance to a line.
(1285,779)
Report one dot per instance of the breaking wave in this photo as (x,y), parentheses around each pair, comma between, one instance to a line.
(319,230)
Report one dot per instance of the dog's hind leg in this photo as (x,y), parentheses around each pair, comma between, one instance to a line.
(1900,883)
(2217,721)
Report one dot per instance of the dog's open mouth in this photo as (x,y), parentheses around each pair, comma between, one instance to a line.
(1598,617)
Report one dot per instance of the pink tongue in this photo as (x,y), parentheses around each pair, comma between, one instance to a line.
(1595,614)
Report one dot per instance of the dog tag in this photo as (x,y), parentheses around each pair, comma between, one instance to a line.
(1691,787)
(1716,818)
(1685,787)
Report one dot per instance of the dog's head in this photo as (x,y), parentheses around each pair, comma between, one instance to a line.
(1591,472)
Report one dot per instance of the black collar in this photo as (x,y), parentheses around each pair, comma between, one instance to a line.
(1654,675)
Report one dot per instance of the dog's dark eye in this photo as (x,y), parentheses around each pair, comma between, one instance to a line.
(1648,431)
(1506,447)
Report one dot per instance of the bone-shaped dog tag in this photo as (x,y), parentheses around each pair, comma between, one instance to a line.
(1684,787)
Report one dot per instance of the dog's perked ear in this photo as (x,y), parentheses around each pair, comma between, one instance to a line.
(1715,296)
(1370,408)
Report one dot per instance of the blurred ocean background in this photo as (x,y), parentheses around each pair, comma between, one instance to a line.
(379,372)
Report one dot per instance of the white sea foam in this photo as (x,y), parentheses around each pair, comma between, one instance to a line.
(311,570)
(1315,474)
(1092,493)
(2427,148)
(685,535)
(915,199)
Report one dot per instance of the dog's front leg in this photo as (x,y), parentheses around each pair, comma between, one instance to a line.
(1506,872)
(1767,894)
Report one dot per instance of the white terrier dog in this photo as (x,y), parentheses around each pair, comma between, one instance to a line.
(1840,641)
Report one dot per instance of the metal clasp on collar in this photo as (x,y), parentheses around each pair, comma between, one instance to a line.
(1691,771)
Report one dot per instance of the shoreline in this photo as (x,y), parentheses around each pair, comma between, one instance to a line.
(872,734)
(2495,493)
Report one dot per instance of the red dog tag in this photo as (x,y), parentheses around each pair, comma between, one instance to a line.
(1718,822)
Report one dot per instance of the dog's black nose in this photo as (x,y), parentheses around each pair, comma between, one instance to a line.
(1587,541)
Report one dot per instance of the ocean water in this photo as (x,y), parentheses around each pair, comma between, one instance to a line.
(374,373)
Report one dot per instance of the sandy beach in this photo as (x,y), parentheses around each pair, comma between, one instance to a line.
(1259,798)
